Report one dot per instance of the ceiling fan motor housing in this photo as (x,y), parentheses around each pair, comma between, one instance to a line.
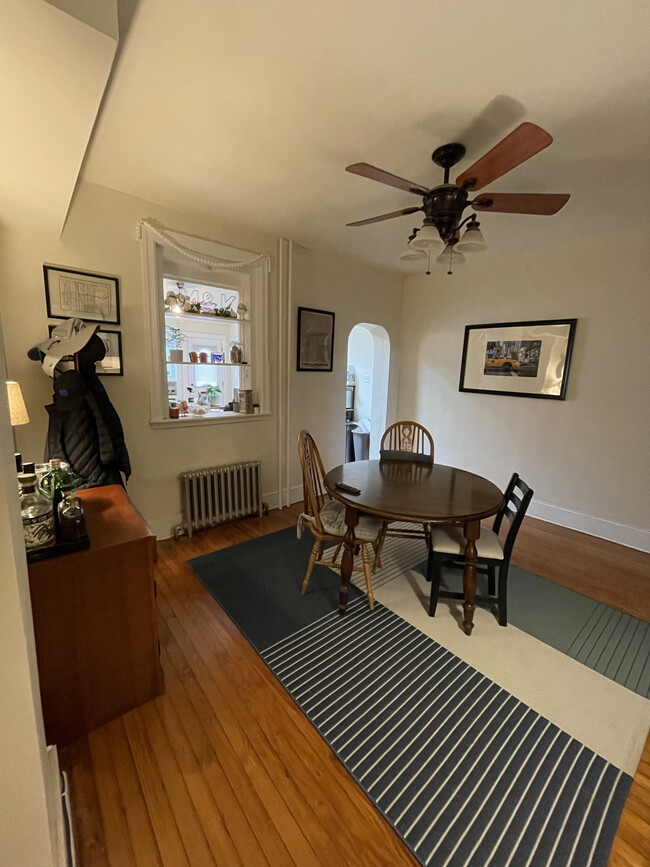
(443,208)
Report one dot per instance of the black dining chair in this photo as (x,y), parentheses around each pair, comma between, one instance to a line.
(447,548)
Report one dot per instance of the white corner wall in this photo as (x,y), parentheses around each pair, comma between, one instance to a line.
(586,457)
(30,806)
(357,293)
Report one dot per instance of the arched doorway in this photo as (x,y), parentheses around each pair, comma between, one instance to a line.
(368,362)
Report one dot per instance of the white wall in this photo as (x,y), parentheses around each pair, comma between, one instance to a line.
(100,236)
(30,809)
(356,293)
(587,456)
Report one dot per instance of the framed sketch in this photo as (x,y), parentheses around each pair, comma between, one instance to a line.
(315,339)
(524,359)
(71,293)
(111,364)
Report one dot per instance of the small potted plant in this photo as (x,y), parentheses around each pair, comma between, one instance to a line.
(212,393)
(174,338)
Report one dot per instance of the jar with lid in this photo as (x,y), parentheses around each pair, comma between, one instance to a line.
(71,521)
(37,513)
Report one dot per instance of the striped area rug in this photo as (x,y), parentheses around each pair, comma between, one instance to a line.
(616,645)
(465,772)
(608,641)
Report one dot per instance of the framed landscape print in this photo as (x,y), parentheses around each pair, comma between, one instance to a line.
(70,293)
(523,359)
(315,339)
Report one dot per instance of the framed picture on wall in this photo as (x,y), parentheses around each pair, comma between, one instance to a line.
(523,359)
(70,293)
(111,364)
(315,339)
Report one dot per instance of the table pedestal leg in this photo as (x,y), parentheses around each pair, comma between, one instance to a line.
(471,531)
(347,561)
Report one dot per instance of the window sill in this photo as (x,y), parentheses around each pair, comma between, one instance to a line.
(222,418)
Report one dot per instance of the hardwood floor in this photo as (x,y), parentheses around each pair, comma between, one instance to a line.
(224,769)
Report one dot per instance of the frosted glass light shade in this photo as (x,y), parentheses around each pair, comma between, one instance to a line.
(427,238)
(450,255)
(17,408)
(412,252)
(472,241)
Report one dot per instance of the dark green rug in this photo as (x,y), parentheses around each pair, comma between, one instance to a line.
(258,583)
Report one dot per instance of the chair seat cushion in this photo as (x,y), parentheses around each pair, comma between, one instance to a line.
(450,540)
(332,516)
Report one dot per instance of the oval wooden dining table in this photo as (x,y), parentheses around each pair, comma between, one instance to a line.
(402,490)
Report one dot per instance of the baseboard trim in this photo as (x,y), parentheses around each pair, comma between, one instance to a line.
(163,528)
(612,531)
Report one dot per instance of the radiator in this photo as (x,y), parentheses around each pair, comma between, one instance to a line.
(218,494)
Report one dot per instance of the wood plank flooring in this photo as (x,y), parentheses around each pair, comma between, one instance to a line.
(224,769)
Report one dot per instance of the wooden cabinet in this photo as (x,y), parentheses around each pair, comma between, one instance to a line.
(95,620)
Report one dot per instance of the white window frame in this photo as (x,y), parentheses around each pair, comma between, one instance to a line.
(156,256)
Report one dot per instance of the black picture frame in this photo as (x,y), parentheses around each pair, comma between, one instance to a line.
(315,349)
(72,293)
(112,341)
(519,359)
(112,364)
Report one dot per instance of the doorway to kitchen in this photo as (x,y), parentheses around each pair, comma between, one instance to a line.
(366,390)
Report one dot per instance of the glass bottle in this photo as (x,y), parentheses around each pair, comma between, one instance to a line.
(56,484)
(71,521)
(37,513)
(57,478)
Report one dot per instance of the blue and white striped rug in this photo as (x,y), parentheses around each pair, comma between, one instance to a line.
(465,772)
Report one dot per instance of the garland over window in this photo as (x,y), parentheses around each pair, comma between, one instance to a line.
(210,262)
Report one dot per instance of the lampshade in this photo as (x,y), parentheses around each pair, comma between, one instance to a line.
(411,252)
(450,256)
(472,241)
(17,408)
(427,238)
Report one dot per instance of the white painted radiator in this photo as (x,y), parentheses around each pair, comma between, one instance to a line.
(217,494)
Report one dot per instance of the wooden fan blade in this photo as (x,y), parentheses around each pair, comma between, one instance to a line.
(384,217)
(375,174)
(521,203)
(521,144)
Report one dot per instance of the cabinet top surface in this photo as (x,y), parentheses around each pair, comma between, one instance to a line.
(111,520)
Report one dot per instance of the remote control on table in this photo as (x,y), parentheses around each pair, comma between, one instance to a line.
(349,489)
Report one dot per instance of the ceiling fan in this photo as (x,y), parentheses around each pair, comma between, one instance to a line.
(443,206)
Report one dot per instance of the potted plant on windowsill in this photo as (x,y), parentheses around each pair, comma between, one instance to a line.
(174,338)
(212,392)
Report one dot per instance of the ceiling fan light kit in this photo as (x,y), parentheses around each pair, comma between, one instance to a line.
(472,240)
(427,237)
(443,206)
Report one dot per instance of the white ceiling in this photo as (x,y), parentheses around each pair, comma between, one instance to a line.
(251,111)
(53,69)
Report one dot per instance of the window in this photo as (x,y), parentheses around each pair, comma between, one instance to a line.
(203,356)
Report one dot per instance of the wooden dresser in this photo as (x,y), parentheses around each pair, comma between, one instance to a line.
(95,620)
